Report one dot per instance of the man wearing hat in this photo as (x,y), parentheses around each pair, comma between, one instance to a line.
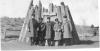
(41,32)
(33,24)
(66,28)
(57,29)
(49,29)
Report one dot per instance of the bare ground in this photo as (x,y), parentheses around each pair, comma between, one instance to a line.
(13,44)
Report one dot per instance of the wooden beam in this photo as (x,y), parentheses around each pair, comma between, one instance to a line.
(36,12)
(63,10)
(49,13)
(59,13)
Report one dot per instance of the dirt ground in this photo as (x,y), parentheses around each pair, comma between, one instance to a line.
(14,44)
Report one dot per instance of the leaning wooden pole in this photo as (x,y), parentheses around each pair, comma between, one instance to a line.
(40,9)
(59,13)
(25,24)
(36,12)
(73,32)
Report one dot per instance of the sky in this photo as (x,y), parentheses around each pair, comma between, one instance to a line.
(84,12)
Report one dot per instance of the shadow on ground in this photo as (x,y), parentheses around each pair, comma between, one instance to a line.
(82,42)
(87,42)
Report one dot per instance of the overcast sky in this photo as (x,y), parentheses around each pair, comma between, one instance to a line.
(82,11)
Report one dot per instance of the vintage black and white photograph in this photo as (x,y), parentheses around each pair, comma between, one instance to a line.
(49,24)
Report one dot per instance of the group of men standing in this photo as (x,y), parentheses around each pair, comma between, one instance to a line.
(50,33)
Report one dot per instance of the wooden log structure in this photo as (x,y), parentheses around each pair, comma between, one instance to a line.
(60,12)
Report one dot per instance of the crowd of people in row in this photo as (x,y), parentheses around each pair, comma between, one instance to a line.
(50,34)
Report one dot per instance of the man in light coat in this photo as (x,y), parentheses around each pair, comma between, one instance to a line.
(66,28)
